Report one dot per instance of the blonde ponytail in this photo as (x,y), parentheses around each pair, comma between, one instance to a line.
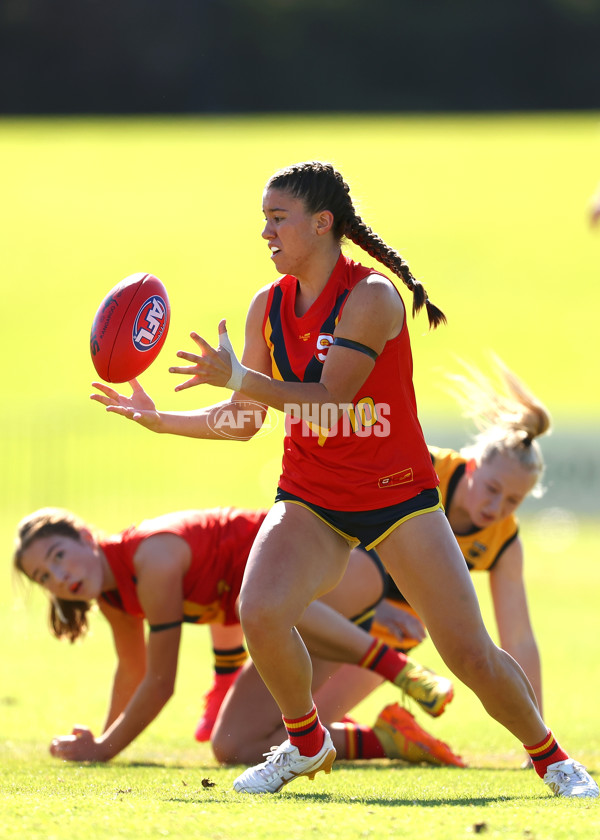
(508,416)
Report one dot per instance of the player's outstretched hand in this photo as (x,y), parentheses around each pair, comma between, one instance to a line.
(80,745)
(139,406)
(212,367)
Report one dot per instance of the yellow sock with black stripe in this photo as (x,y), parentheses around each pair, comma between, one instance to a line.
(305,732)
(545,753)
(228,660)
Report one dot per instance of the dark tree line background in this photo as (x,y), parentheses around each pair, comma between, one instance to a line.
(217,56)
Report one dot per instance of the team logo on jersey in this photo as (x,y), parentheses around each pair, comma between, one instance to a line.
(477,549)
(324,342)
(393,480)
(149,323)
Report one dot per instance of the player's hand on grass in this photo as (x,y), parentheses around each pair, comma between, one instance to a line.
(80,745)
(139,406)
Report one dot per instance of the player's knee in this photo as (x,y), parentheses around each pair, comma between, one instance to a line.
(224,746)
(474,665)
(261,619)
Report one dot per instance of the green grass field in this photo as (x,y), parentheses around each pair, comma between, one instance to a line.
(490,213)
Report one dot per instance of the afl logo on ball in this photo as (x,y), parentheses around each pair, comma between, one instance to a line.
(149,323)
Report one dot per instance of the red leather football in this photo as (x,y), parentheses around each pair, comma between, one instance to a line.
(130,328)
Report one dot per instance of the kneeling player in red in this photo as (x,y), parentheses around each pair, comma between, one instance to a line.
(184,567)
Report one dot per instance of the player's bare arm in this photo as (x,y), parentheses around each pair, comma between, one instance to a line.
(375,315)
(511,610)
(160,562)
(130,647)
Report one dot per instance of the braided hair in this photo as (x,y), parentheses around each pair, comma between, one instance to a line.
(321,187)
(67,618)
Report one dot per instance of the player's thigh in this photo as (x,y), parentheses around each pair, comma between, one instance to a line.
(295,558)
(361,587)
(424,559)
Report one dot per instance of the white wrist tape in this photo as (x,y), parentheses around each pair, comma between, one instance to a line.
(238,370)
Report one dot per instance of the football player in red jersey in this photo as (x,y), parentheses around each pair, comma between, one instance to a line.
(355,469)
(482,486)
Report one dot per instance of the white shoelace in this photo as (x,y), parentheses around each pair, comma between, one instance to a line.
(578,775)
(277,758)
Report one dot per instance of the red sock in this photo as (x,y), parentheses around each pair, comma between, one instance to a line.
(361,742)
(305,732)
(545,753)
(383,660)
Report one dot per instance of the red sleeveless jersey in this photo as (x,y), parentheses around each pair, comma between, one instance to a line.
(375,455)
(220,540)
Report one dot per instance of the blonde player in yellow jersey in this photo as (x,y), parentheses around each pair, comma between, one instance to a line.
(482,487)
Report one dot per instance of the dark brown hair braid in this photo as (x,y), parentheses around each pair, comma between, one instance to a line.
(321,187)
(362,235)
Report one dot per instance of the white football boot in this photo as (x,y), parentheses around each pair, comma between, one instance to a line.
(284,764)
(570,778)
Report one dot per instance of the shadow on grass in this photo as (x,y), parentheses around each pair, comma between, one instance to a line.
(387,802)
(384,802)
(392,766)
(133,765)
